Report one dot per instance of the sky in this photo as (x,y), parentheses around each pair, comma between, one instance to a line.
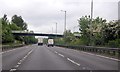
(42,15)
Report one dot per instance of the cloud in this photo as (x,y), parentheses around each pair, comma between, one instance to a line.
(41,15)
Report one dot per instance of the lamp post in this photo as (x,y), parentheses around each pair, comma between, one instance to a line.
(91,22)
(52,30)
(65,20)
(56,27)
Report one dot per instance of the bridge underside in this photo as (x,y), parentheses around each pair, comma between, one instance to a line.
(37,34)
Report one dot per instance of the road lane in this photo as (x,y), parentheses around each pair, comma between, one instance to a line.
(56,58)
(10,58)
(44,59)
(88,61)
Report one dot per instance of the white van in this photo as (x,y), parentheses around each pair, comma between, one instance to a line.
(50,42)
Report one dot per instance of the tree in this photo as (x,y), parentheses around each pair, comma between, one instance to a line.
(111,33)
(30,40)
(84,24)
(7,36)
(97,34)
(68,37)
(14,27)
(92,32)
(19,22)
(0,31)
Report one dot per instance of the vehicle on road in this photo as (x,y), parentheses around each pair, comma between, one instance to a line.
(40,41)
(50,42)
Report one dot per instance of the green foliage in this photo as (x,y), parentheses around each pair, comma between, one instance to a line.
(67,39)
(97,33)
(111,31)
(114,43)
(68,36)
(84,23)
(45,40)
(30,40)
(7,36)
(59,41)
(14,27)
(0,29)
(19,22)
(16,24)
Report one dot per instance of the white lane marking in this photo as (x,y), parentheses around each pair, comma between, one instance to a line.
(61,55)
(73,61)
(56,52)
(16,66)
(12,50)
(20,61)
(88,53)
(12,70)
(102,56)
(115,59)
(8,51)
(108,57)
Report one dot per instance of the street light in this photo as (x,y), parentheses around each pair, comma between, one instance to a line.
(52,30)
(91,22)
(65,20)
(56,27)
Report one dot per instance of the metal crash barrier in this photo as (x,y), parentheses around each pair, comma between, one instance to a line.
(101,50)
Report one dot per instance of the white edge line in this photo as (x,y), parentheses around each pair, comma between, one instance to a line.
(101,56)
(88,53)
(108,57)
(11,50)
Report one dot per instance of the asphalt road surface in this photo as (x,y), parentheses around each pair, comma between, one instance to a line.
(34,57)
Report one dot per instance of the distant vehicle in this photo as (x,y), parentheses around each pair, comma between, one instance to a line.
(40,41)
(50,42)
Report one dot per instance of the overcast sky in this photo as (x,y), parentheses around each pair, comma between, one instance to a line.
(41,15)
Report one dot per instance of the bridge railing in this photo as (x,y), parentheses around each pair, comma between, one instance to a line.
(101,50)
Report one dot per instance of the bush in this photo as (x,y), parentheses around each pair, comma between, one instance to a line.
(114,43)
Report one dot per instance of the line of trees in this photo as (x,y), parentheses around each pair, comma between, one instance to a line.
(99,33)
(16,23)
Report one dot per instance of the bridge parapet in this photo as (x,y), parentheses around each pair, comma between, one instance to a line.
(24,33)
(29,33)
